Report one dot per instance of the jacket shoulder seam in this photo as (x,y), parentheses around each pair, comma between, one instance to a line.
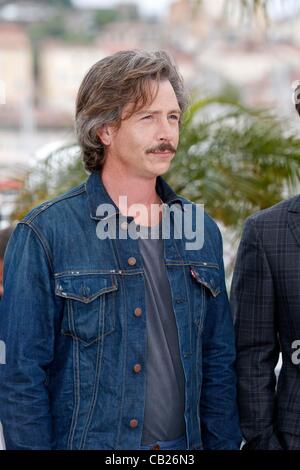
(47,204)
(42,241)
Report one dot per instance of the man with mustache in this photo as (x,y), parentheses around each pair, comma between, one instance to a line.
(117,330)
(265,299)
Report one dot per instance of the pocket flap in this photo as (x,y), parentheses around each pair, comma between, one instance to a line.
(208,277)
(85,287)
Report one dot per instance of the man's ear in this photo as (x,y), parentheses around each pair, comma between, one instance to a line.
(104,133)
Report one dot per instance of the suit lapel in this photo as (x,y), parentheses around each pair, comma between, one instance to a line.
(294,219)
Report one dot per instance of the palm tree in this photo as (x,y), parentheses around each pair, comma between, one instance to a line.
(54,175)
(237,163)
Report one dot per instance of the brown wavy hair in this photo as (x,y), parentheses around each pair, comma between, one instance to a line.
(111,84)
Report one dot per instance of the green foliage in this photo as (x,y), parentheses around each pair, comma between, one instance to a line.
(105,16)
(253,5)
(54,27)
(236,162)
(60,171)
(57,28)
(61,3)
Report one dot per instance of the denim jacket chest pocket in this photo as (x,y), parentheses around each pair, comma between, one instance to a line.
(205,282)
(89,312)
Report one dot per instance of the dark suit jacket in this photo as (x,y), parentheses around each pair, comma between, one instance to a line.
(265,298)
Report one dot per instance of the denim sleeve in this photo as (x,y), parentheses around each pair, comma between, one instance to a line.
(218,406)
(29,316)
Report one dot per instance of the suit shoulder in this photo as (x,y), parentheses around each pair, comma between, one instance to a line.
(277,212)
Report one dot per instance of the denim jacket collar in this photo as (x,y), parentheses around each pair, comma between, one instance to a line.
(97,194)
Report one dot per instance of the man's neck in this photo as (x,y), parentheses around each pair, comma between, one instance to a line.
(137,191)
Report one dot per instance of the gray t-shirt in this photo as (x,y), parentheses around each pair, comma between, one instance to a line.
(165,382)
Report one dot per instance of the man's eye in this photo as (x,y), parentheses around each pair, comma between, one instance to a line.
(147,117)
(174,116)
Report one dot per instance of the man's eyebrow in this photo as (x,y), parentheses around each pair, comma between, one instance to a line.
(153,111)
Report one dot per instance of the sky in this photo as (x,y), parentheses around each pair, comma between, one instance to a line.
(146,6)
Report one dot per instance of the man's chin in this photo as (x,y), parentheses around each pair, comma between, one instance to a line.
(160,169)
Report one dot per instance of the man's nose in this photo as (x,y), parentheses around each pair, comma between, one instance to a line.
(165,131)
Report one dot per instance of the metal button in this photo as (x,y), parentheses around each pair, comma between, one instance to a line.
(137,368)
(133,423)
(138,312)
(131,261)
(124,225)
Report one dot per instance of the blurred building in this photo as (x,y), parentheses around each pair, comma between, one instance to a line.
(259,57)
(26,11)
(16,65)
(124,35)
(24,127)
(16,75)
(61,70)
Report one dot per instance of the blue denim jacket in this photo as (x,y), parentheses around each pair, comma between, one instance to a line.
(73,335)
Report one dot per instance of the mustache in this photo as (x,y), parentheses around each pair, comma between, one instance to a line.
(162,148)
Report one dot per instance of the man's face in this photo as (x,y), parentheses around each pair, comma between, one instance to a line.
(1,277)
(146,142)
